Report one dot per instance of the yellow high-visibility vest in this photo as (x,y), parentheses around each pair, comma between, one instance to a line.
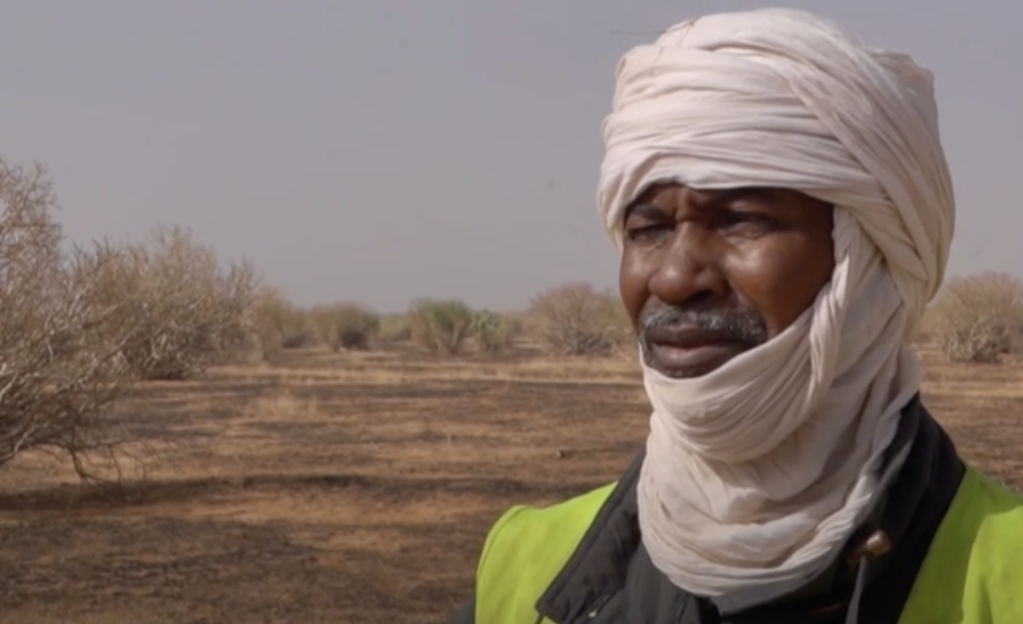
(972,574)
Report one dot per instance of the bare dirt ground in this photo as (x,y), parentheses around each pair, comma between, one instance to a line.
(353,488)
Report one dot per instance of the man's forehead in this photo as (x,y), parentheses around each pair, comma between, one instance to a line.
(708,196)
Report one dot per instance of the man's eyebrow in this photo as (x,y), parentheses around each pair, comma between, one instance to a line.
(644,210)
(707,198)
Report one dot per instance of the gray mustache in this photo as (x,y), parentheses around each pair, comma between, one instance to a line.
(744,325)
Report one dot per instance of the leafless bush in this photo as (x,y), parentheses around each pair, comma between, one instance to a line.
(345,325)
(978,318)
(189,311)
(280,324)
(61,338)
(578,320)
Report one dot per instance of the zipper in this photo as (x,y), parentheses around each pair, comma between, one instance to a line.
(598,605)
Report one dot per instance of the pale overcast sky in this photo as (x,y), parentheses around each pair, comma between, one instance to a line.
(381,150)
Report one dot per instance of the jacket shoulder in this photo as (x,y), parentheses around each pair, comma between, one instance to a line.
(523,552)
(971,572)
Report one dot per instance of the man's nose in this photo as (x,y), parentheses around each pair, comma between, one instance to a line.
(689,270)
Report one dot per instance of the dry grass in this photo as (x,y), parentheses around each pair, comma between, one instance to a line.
(354,487)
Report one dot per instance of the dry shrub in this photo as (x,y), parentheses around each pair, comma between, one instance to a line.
(977,318)
(346,325)
(280,324)
(440,325)
(395,328)
(578,320)
(61,337)
(188,310)
(492,332)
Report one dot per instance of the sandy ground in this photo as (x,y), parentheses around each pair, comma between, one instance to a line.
(353,488)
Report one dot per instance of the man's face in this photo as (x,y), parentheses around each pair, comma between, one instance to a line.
(707,275)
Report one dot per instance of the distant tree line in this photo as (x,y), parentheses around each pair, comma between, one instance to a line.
(80,326)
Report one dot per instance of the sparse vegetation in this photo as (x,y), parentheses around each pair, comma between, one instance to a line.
(78,328)
(440,325)
(61,337)
(491,332)
(280,324)
(188,310)
(978,318)
(345,326)
(395,329)
(578,320)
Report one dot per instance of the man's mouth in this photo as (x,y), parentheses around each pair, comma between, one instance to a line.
(686,353)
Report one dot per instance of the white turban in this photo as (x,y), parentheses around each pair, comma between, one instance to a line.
(759,471)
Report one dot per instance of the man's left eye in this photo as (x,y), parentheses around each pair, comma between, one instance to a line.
(748,217)
(755,222)
(644,231)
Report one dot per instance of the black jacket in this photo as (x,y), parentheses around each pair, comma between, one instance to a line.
(610,578)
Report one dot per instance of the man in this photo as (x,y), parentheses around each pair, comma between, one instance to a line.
(783,209)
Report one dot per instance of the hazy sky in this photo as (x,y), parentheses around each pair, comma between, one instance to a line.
(383,150)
